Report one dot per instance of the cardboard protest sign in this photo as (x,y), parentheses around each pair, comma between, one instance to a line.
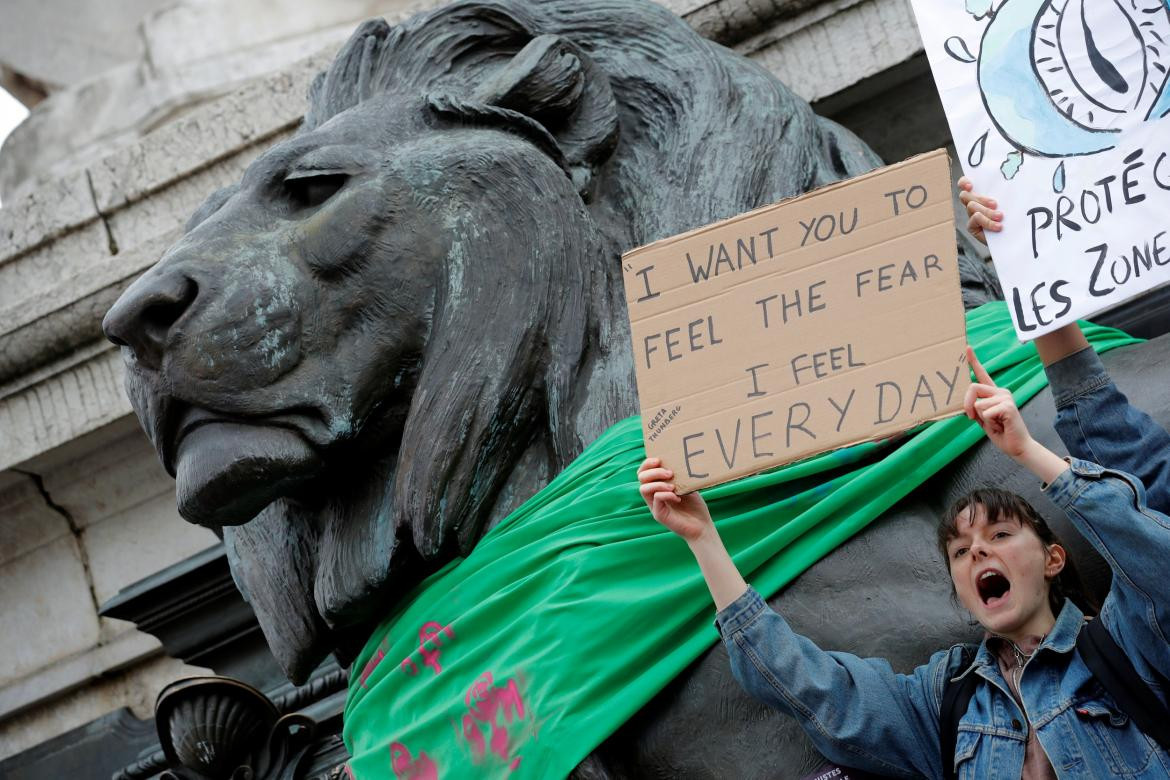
(820,321)
(1058,109)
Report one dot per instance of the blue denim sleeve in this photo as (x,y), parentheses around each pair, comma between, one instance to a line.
(1096,422)
(856,711)
(1109,508)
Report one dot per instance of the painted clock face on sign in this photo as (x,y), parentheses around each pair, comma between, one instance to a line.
(1065,78)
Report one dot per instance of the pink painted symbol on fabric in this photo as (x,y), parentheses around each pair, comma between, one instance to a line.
(496,707)
(375,659)
(409,666)
(430,632)
(406,767)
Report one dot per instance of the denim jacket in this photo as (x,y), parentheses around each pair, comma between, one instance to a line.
(1096,422)
(859,713)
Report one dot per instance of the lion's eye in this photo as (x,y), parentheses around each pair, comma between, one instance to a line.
(311,190)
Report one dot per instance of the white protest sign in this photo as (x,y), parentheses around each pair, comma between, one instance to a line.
(1058,108)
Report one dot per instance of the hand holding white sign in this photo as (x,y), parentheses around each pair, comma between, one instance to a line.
(981,211)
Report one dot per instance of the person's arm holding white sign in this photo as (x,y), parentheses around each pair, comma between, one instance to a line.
(1093,418)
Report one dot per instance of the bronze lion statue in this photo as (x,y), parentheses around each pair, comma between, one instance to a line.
(407,318)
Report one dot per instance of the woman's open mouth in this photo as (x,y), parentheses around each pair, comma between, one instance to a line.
(993,588)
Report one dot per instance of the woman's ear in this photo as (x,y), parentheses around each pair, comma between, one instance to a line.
(1054,564)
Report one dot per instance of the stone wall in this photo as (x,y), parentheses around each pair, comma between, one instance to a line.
(77,524)
(111,73)
(84,507)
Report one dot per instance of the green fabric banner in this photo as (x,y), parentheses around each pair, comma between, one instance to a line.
(578,607)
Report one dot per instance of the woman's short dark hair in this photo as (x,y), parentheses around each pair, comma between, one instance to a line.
(1003,503)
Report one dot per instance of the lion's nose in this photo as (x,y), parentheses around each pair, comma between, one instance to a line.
(143,316)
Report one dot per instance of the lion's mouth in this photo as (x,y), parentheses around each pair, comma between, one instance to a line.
(191,417)
(181,419)
(229,467)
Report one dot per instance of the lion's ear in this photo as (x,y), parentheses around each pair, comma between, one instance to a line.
(556,84)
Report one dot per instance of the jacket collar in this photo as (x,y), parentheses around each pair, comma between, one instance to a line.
(1061,639)
(1063,636)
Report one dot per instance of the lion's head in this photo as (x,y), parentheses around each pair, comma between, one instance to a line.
(405,319)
